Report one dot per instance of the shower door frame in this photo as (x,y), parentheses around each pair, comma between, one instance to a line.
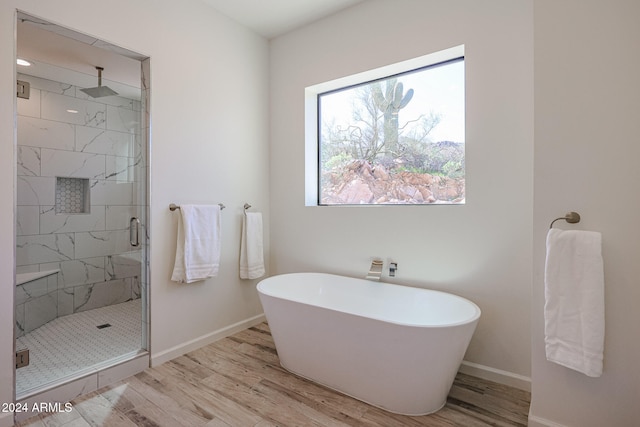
(64,389)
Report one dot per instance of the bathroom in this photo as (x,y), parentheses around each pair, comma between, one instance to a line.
(528,121)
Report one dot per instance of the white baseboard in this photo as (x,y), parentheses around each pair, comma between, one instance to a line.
(542,422)
(496,375)
(179,350)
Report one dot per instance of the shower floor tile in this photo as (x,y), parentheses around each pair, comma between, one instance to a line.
(74,344)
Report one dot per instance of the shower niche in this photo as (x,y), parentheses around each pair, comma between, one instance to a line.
(72,195)
(82,175)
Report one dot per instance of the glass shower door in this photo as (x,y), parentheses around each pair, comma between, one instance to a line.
(81,270)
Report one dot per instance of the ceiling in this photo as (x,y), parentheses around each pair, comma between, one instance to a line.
(66,56)
(271,18)
(63,55)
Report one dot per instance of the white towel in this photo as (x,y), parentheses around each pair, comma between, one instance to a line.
(198,245)
(574,300)
(251,256)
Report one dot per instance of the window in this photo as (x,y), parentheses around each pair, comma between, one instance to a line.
(393,139)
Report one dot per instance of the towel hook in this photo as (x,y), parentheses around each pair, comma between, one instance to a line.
(246,206)
(570,217)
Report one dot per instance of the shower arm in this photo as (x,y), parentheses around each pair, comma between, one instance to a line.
(99,75)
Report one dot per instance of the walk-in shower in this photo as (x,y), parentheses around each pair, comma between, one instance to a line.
(81,296)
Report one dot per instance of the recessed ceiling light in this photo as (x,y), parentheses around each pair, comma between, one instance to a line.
(23,62)
(72,111)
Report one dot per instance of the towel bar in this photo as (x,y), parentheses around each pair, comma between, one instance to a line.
(570,217)
(173,206)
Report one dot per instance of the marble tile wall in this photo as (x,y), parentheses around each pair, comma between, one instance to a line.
(100,142)
(36,303)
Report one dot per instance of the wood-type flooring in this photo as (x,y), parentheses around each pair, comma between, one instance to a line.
(238,382)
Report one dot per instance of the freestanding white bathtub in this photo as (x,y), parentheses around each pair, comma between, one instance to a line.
(394,347)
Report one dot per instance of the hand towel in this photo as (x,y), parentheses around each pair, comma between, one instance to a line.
(574,300)
(198,244)
(251,256)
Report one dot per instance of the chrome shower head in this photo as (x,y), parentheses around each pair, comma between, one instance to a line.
(99,91)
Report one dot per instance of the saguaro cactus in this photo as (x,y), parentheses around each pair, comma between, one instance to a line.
(390,103)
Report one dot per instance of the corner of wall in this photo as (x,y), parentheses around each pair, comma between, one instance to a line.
(496,375)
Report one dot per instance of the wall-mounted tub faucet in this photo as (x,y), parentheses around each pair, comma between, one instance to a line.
(375,271)
(393,266)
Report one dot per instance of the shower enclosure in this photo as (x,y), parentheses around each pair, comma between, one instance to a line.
(81,298)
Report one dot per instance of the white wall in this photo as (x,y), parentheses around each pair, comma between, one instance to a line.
(209,100)
(481,250)
(587,105)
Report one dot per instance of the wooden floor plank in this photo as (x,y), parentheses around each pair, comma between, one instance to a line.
(99,411)
(219,406)
(270,406)
(343,414)
(238,381)
(222,361)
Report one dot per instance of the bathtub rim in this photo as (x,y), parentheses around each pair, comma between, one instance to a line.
(475,318)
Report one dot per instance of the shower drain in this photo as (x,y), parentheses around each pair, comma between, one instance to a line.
(104,325)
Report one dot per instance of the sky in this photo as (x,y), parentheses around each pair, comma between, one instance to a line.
(438,89)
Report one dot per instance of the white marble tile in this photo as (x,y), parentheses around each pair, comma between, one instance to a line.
(102,243)
(78,271)
(52,283)
(139,195)
(122,266)
(119,169)
(37,274)
(118,217)
(27,220)
(19,320)
(48,85)
(30,290)
(50,222)
(72,164)
(30,107)
(40,310)
(65,301)
(33,268)
(111,192)
(89,113)
(42,133)
(44,248)
(123,120)
(35,190)
(146,73)
(28,161)
(98,295)
(136,288)
(100,141)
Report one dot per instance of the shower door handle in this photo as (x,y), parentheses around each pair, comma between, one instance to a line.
(134,231)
